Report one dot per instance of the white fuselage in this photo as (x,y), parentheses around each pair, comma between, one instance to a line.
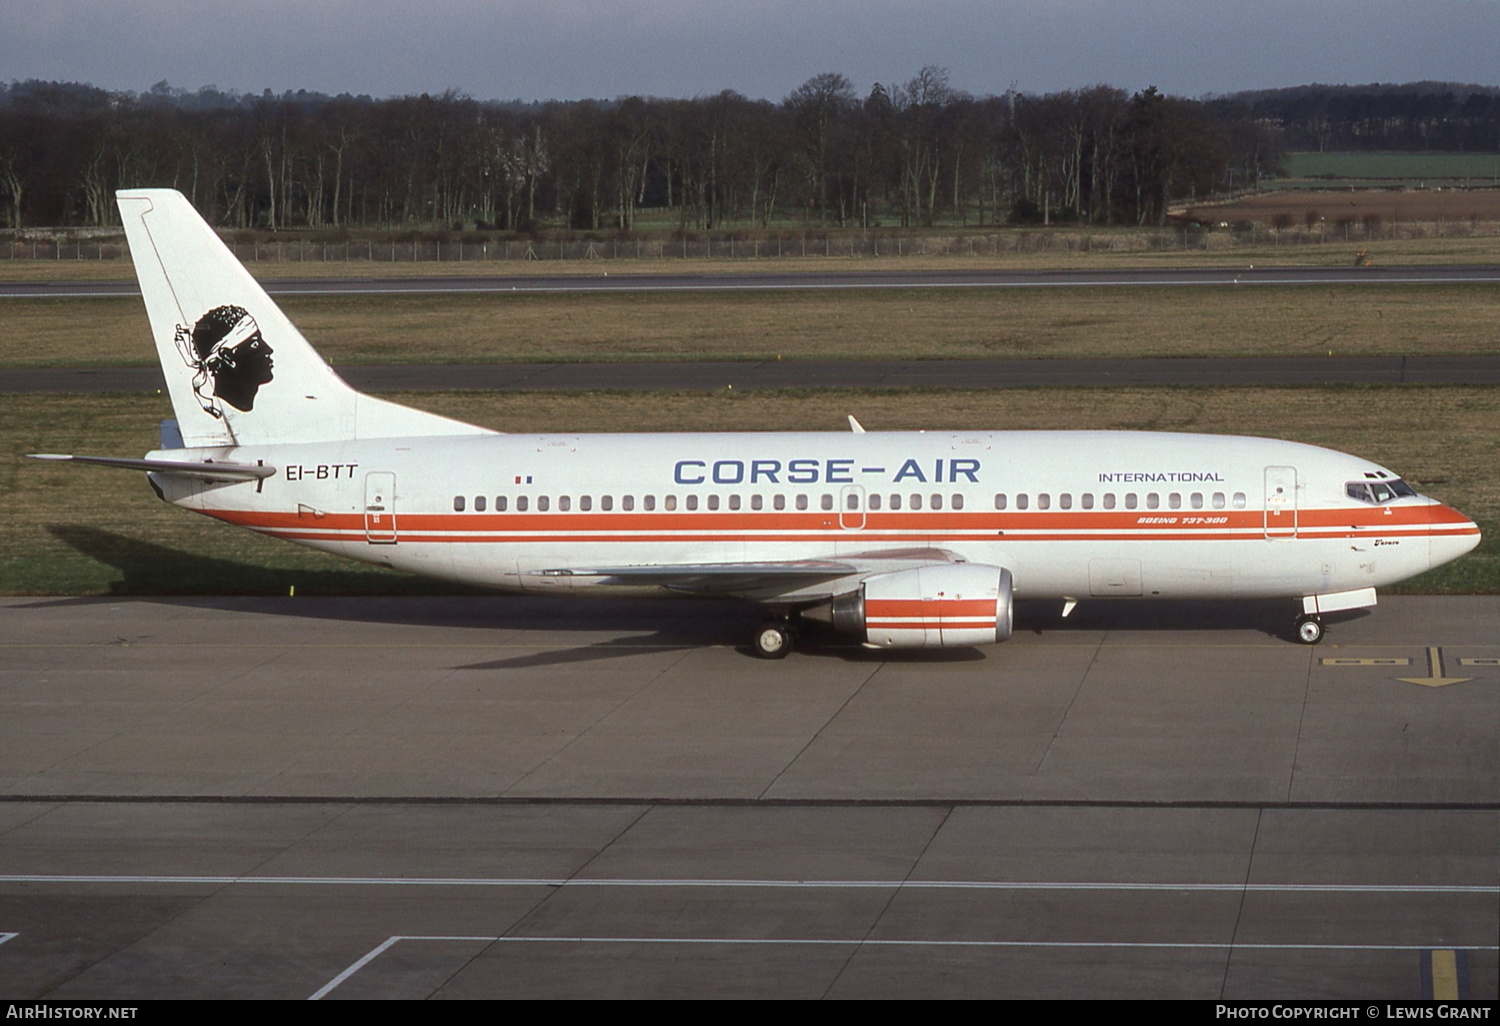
(1070,514)
(903,539)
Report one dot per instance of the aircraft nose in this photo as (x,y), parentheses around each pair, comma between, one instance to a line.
(1451,535)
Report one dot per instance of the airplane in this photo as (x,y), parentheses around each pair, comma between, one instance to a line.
(912,539)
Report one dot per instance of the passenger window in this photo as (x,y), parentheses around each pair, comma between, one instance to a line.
(734,501)
(915,502)
(1130,500)
(1065,501)
(779,502)
(1088,500)
(1197,500)
(670,502)
(713,502)
(1023,501)
(1044,501)
(756,502)
(1109,500)
(827,501)
(520,504)
(606,502)
(937,501)
(1239,500)
(585,503)
(802,502)
(499,504)
(895,502)
(564,503)
(999,500)
(648,502)
(479,504)
(542,503)
(1218,500)
(874,501)
(958,501)
(692,502)
(458,504)
(1152,500)
(1175,500)
(627,503)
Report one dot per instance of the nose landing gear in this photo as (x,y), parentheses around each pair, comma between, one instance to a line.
(1309,629)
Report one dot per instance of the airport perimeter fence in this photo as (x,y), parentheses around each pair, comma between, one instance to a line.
(830,246)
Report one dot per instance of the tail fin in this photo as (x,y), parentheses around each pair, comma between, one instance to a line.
(238,372)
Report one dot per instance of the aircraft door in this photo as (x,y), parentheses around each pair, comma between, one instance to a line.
(380,508)
(852,507)
(1280,517)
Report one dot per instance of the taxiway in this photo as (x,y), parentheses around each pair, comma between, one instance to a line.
(705,375)
(495,797)
(738,281)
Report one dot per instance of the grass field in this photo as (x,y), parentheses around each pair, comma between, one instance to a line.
(1340,215)
(924,324)
(1478,169)
(90,531)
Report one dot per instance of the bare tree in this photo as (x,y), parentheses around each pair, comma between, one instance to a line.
(816,107)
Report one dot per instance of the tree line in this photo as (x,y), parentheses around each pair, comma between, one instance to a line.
(917,153)
(1445,117)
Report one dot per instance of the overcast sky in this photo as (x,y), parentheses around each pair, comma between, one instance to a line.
(567,49)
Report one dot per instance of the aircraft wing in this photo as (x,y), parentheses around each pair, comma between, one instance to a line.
(800,579)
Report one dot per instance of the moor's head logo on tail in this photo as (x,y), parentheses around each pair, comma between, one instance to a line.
(229,357)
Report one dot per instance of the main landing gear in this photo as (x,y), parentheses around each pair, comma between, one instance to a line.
(1309,629)
(773,639)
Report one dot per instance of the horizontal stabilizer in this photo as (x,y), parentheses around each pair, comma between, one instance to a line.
(205,469)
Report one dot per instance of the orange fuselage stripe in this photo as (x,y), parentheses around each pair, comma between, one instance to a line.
(783,526)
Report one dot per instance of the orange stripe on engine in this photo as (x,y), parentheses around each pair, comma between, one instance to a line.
(929,607)
(922,625)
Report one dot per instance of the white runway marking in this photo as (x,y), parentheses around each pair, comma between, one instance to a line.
(858,942)
(375,953)
(908,885)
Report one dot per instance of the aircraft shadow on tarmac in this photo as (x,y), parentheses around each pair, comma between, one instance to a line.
(153,571)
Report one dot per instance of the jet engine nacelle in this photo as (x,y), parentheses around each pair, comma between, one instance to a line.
(936,606)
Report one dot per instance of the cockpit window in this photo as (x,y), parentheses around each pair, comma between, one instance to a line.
(1377,492)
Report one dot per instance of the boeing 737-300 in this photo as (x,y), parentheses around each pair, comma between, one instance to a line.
(898,539)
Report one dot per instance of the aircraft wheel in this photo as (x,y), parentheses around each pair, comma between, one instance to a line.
(773,640)
(1309,630)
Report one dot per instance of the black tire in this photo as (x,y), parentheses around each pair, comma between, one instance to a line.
(1309,630)
(772,640)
